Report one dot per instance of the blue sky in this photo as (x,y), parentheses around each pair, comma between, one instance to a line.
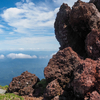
(29,24)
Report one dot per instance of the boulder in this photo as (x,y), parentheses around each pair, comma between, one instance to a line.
(92,44)
(75,75)
(53,89)
(23,84)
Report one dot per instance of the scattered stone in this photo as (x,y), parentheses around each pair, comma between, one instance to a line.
(23,84)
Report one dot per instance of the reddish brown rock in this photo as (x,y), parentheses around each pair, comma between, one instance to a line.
(97,3)
(72,26)
(85,81)
(84,17)
(53,89)
(94,96)
(23,84)
(74,74)
(93,44)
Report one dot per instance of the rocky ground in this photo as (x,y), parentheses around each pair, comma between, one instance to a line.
(73,73)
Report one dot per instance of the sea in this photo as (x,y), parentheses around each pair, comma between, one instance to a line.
(13,63)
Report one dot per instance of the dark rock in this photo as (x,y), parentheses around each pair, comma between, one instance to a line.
(97,3)
(53,89)
(59,98)
(61,24)
(76,76)
(93,44)
(72,29)
(23,84)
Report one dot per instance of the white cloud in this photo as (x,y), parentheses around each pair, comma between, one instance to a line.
(1,26)
(20,56)
(28,16)
(33,43)
(1,31)
(43,57)
(11,33)
(2,56)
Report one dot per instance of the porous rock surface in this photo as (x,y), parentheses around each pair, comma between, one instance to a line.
(79,21)
(53,89)
(23,84)
(93,44)
(76,66)
(97,3)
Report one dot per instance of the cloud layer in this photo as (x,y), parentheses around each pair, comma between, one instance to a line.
(20,56)
(2,56)
(27,16)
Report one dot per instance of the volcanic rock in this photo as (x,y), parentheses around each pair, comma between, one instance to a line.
(53,89)
(96,3)
(93,44)
(23,84)
(61,24)
(94,96)
(74,74)
(72,29)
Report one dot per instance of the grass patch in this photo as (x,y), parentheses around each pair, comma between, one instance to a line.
(4,87)
(10,96)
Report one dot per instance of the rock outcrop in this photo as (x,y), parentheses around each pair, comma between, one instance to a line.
(76,66)
(73,29)
(23,84)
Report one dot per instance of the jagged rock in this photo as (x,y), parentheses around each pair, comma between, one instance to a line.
(23,84)
(79,22)
(76,66)
(94,96)
(75,75)
(93,44)
(53,89)
(61,24)
(97,3)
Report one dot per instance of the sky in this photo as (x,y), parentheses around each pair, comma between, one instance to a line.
(29,24)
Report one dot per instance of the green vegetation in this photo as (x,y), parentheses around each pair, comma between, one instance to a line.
(10,96)
(4,87)
(42,85)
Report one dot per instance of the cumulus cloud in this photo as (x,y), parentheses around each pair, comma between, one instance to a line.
(2,56)
(20,56)
(43,57)
(26,16)
(32,43)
